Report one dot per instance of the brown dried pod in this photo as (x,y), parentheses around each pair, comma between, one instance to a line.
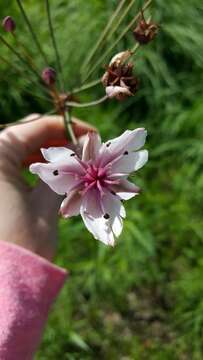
(145,31)
(119,80)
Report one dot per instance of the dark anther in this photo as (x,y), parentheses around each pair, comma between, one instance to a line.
(126,153)
(108,144)
(55,172)
(113,192)
(73,154)
(106,216)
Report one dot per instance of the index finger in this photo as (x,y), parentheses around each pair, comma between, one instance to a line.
(25,140)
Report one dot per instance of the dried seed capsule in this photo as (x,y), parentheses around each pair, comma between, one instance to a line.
(119,80)
(9,24)
(49,76)
(120,58)
(145,32)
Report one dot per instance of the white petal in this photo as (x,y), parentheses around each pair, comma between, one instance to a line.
(128,141)
(121,57)
(71,205)
(116,211)
(112,205)
(60,183)
(92,203)
(103,228)
(117,92)
(117,226)
(125,190)
(130,162)
(91,146)
(54,154)
(99,228)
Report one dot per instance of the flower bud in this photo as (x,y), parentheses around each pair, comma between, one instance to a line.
(9,24)
(49,76)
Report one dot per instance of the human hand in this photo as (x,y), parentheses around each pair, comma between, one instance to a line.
(28,216)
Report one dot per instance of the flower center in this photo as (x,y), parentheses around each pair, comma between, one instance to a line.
(98,178)
(95,177)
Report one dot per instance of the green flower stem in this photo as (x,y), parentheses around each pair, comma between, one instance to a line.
(68,123)
(93,103)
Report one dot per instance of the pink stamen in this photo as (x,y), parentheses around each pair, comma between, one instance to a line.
(112,182)
(99,186)
(87,188)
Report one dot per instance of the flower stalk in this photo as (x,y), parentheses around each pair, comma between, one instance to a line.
(58,60)
(108,51)
(89,104)
(68,123)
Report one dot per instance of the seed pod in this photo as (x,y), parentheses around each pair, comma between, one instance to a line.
(49,76)
(120,58)
(9,24)
(119,80)
(145,32)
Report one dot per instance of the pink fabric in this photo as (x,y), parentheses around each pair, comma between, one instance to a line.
(28,286)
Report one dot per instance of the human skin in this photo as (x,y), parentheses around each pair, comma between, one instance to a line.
(28,215)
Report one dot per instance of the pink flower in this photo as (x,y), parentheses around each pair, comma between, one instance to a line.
(96,182)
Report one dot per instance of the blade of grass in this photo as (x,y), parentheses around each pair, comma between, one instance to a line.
(85,87)
(103,35)
(27,21)
(16,53)
(51,30)
(120,20)
(21,72)
(108,51)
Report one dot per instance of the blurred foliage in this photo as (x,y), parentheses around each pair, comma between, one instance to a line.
(142,299)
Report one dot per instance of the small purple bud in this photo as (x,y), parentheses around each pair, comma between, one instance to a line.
(9,24)
(49,76)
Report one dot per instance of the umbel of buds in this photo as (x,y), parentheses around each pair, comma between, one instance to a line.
(9,24)
(145,31)
(49,76)
(118,79)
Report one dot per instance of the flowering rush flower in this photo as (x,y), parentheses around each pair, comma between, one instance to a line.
(95,183)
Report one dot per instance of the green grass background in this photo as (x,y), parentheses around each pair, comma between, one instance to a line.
(144,298)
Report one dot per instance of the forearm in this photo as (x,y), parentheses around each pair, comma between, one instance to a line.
(29,285)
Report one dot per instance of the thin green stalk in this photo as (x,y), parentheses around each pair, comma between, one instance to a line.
(19,56)
(87,86)
(106,53)
(120,20)
(134,49)
(19,71)
(27,21)
(93,103)
(51,30)
(25,52)
(69,128)
(103,35)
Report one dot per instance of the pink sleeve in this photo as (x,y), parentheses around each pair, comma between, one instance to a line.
(28,286)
